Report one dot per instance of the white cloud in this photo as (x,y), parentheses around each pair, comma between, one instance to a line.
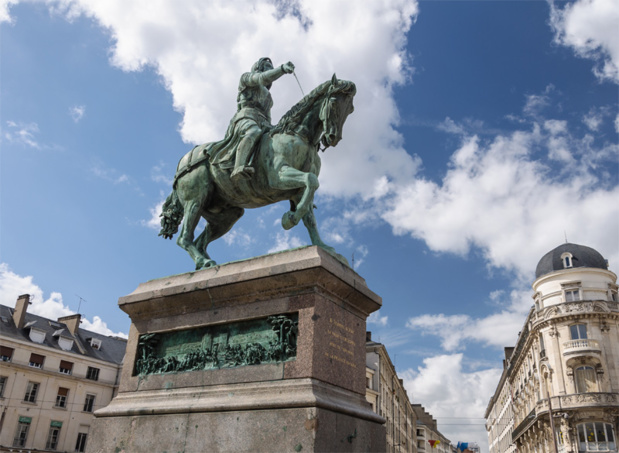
(239,238)
(498,197)
(77,112)
(455,397)
(536,103)
(22,133)
(592,120)
(202,70)
(161,174)
(285,240)
(154,222)
(378,320)
(109,174)
(13,285)
(5,6)
(590,28)
(497,329)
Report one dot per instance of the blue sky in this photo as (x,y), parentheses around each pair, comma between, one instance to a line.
(484,133)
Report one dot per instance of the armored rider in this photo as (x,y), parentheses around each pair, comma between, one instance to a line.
(253,116)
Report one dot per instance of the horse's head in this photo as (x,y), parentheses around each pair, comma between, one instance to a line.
(336,107)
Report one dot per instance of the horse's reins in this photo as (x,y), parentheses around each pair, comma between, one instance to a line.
(322,109)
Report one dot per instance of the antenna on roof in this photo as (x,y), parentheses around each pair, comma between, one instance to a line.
(353,261)
(80,304)
(565,234)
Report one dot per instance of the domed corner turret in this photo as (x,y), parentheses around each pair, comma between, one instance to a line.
(568,256)
(571,273)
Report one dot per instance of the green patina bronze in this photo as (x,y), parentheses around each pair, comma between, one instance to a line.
(267,340)
(257,164)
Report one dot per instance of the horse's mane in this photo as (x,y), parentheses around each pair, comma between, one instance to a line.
(295,115)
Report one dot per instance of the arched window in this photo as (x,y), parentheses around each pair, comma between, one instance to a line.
(596,436)
(585,379)
(567,260)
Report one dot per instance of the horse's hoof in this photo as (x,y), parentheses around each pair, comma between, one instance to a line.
(205,264)
(288,220)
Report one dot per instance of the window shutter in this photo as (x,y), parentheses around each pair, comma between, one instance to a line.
(66,365)
(36,358)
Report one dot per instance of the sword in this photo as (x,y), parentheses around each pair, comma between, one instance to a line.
(299,83)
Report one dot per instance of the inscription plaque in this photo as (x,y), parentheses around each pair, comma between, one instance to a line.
(341,346)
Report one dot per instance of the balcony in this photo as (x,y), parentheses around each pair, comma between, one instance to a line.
(580,346)
(578,401)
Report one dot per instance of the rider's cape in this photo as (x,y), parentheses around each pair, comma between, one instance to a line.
(223,152)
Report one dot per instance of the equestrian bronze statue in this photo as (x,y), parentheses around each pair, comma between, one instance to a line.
(257,164)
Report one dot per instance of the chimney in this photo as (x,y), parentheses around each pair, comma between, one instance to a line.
(368,335)
(21,307)
(72,322)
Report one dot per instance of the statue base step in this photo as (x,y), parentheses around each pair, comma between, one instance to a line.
(265,355)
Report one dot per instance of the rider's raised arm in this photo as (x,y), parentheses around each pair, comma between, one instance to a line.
(266,77)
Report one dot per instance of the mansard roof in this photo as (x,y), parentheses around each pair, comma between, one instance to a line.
(112,348)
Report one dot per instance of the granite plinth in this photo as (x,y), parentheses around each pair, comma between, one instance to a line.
(264,407)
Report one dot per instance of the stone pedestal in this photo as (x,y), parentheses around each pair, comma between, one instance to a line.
(262,388)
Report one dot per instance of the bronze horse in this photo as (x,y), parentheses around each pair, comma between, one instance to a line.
(286,164)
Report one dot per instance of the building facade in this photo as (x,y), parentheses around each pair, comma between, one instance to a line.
(53,376)
(429,439)
(385,391)
(563,374)
(500,415)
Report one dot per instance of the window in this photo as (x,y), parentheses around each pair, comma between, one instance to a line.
(578,332)
(572,295)
(80,445)
(61,398)
(3,380)
(89,402)
(21,434)
(92,373)
(6,354)
(52,437)
(31,392)
(585,379)
(567,260)
(95,343)
(596,437)
(65,367)
(36,360)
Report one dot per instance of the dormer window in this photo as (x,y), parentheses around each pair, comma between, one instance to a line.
(567,260)
(95,343)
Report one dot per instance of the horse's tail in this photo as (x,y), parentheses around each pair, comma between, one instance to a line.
(172,213)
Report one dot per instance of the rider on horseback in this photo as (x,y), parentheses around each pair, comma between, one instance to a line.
(253,116)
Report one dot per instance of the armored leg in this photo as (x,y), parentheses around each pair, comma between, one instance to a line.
(241,169)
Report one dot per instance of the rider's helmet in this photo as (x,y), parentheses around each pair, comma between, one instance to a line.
(259,65)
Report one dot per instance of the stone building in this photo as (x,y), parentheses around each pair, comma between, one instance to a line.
(427,433)
(500,415)
(385,391)
(561,381)
(53,376)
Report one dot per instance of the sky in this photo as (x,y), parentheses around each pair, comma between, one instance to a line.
(485,134)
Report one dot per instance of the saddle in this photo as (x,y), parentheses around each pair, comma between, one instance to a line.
(192,159)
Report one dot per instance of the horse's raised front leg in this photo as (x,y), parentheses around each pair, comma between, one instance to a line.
(290,178)
(310,223)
